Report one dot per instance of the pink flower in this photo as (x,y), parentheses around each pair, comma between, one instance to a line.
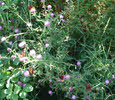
(0,27)
(21,44)
(10,43)
(61,16)
(26,73)
(107,81)
(67,77)
(12,56)
(16,37)
(70,89)
(16,30)
(39,57)
(33,10)
(32,52)
(8,49)
(88,97)
(0,56)
(49,7)
(47,23)
(23,59)
(20,83)
(46,45)
(73,97)
(63,20)
(78,63)
(50,92)
(52,14)
(39,81)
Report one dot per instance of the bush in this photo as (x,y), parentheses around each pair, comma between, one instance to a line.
(67,54)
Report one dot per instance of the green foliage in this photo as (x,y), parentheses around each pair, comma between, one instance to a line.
(87,36)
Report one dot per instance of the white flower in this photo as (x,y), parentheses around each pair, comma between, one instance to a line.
(21,44)
(3,39)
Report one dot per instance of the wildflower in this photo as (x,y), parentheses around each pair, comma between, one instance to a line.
(67,76)
(0,27)
(88,87)
(12,56)
(70,89)
(20,83)
(0,56)
(39,57)
(110,81)
(24,84)
(16,30)
(32,9)
(16,37)
(88,97)
(10,68)
(21,44)
(113,76)
(49,7)
(3,39)
(50,80)
(32,52)
(11,20)
(23,59)
(73,97)
(52,14)
(10,43)
(0,2)
(3,3)
(46,45)
(79,76)
(78,63)
(50,92)
(47,23)
(107,81)
(63,20)
(29,24)
(39,81)
(8,49)
(61,16)
(26,73)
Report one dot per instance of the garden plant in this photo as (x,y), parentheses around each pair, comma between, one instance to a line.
(57,50)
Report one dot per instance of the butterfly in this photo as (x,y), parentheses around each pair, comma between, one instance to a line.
(61,78)
(21,55)
(88,87)
(30,7)
(31,71)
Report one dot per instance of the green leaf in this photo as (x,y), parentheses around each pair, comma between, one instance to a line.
(16,61)
(14,79)
(14,97)
(23,94)
(2,94)
(24,79)
(17,89)
(7,91)
(1,85)
(8,96)
(28,88)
